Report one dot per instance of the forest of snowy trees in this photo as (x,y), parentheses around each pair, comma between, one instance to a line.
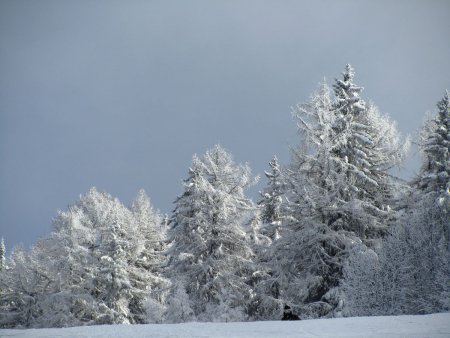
(332,234)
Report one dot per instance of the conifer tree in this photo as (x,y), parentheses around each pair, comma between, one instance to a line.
(410,273)
(367,146)
(147,270)
(209,252)
(271,202)
(271,196)
(425,226)
(339,192)
(2,254)
(101,265)
(123,262)
(179,305)
(28,290)
(434,178)
(428,218)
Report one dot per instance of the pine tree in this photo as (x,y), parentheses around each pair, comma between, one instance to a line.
(147,270)
(367,146)
(2,254)
(271,201)
(150,227)
(271,196)
(339,192)
(434,178)
(2,260)
(209,252)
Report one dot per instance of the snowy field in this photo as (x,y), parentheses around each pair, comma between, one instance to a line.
(436,325)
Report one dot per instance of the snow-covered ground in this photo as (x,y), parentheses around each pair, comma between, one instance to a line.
(435,325)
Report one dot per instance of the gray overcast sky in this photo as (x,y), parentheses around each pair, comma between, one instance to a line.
(120,94)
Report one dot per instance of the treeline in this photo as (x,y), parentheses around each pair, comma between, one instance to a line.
(333,234)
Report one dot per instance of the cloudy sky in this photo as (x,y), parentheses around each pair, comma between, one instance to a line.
(120,94)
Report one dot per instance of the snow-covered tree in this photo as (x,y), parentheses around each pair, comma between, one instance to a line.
(147,270)
(98,229)
(101,265)
(271,202)
(367,146)
(2,259)
(179,305)
(339,192)
(434,178)
(283,256)
(209,251)
(12,301)
(27,285)
(149,226)
(271,196)
(410,273)
(428,219)
(120,267)
(72,248)
(427,281)
(375,281)
(2,254)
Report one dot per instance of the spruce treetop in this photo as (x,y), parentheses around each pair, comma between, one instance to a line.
(435,145)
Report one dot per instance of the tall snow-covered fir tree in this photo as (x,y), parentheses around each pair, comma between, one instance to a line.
(339,190)
(367,146)
(209,254)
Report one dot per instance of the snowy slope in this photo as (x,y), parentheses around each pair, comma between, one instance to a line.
(436,325)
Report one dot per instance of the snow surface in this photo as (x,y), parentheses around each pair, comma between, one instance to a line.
(435,325)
